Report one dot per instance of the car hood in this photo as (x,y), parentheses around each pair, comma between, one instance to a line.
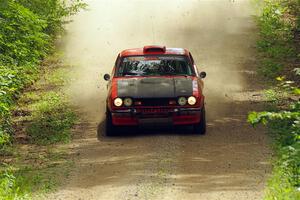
(155,87)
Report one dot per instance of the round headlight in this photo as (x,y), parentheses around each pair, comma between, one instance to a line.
(128,102)
(192,100)
(118,102)
(182,101)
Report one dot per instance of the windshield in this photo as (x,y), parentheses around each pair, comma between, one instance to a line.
(154,66)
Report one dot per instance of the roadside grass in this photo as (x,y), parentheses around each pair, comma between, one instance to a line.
(282,117)
(49,115)
(278,49)
(52,120)
(33,174)
(285,181)
(42,119)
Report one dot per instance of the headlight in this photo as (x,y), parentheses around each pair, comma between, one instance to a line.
(128,102)
(192,100)
(182,101)
(118,102)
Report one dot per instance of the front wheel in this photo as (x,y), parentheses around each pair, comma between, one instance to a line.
(200,128)
(109,128)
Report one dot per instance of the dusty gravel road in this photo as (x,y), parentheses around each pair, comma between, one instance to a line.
(230,162)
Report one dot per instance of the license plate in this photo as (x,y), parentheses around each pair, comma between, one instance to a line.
(145,121)
(155,110)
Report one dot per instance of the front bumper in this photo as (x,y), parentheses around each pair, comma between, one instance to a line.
(156,116)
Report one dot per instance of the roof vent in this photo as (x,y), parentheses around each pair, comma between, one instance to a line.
(154,49)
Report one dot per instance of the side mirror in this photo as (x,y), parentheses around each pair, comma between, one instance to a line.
(202,74)
(106,77)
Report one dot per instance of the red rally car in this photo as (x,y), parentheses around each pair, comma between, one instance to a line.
(155,85)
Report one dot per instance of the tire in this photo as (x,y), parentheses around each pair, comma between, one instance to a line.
(200,128)
(109,128)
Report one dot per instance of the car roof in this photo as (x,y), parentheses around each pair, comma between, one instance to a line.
(154,50)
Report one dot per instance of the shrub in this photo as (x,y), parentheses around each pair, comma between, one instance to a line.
(284,127)
(27,30)
(54,12)
(22,38)
(7,184)
(5,142)
(270,68)
(278,24)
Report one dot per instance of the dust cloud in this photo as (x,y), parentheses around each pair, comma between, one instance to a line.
(215,33)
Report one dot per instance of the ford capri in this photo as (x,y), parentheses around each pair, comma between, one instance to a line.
(155,85)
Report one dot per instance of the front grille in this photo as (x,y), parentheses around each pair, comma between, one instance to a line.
(154,101)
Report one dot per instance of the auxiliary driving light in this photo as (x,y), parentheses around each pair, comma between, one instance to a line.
(192,100)
(182,101)
(128,102)
(118,102)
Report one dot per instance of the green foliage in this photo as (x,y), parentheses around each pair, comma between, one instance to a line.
(279,26)
(274,28)
(284,126)
(22,38)
(278,22)
(27,30)
(12,186)
(297,71)
(52,120)
(21,182)
(22,44)
(54,12)
(279,186)
(270,68)
(286,173)
(7,185)
(5,142)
